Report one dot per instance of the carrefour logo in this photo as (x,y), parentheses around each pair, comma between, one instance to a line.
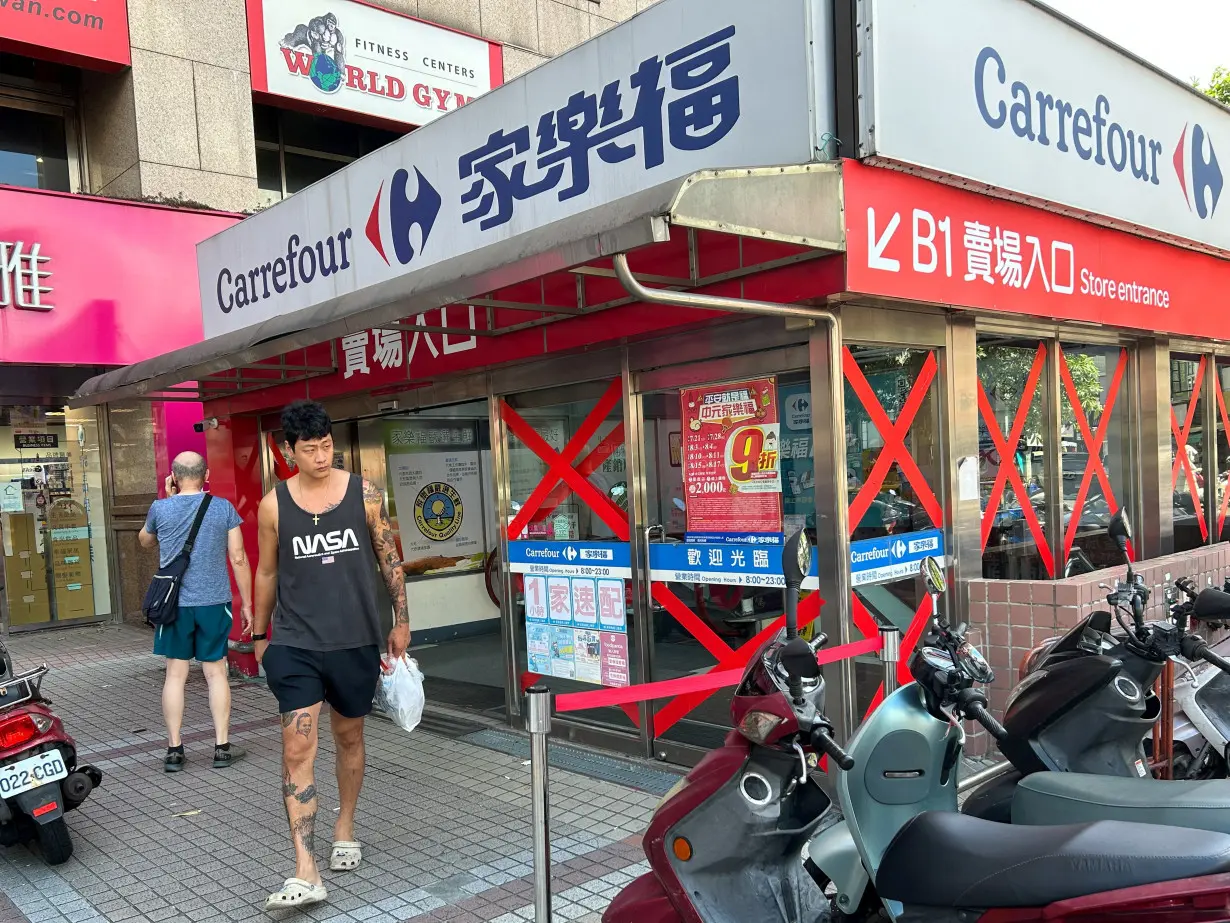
(1195,163)
(403,215)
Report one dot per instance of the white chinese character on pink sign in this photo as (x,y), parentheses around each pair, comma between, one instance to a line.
(978,252)
(21,277)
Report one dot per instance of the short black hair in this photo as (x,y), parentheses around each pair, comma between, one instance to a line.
(305,420)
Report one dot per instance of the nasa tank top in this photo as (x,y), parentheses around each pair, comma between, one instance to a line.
(326,575)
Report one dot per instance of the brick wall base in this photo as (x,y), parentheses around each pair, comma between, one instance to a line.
(1008,618)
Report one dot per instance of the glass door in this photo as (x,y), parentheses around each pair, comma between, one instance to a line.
(728,470)
(569,559)
(895,478)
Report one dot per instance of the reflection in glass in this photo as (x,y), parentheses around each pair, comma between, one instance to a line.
(1011,471)
(33,150)
(1095,457)
(1187,464)
(888,386)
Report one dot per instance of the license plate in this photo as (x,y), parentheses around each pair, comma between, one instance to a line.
(31,773)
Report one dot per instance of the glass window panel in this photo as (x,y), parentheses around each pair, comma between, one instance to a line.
(1220,527)
(1011,374)
(302,171)
(1187,465)
(33,150)
(269,176)
(571,657)
(1097,477)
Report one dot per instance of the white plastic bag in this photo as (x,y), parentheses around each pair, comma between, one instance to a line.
(400,693)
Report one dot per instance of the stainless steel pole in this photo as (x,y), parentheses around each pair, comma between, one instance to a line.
(538,723)
(890,653)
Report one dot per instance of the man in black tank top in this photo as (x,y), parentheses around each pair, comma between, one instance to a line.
(323,533)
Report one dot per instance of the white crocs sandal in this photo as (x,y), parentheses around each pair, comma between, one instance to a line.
(345,857)
(296,893)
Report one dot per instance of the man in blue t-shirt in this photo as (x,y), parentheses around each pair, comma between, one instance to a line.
(204,623)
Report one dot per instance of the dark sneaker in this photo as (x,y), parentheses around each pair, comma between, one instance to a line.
(228,757)
(174,761)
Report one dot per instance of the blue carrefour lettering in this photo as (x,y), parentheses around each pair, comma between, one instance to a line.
(1041,117)
(238,288)
(986,56)
(703,107)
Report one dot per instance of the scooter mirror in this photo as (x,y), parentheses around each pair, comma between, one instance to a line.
(932,572)
(799,659)
(1120,529)
(796,558)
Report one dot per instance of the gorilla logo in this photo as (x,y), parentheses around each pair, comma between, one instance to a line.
(322,38)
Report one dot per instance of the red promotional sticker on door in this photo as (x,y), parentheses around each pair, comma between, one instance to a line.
(731,462)
(915,239)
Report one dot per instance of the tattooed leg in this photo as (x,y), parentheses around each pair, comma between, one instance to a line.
(299,737)
(351,756)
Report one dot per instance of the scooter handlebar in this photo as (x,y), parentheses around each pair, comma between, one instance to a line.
(821,740)
(979,713)
(1194,647)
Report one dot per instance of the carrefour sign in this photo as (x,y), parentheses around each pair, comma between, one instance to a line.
(1082,124)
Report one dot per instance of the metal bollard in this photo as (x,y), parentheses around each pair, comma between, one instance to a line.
(890,653)
(538,723)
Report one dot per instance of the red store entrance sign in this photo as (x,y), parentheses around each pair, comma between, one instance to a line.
(86,33)
(923,241)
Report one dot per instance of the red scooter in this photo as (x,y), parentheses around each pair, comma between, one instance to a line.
(39,776)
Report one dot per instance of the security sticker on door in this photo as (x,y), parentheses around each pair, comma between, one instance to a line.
(31,773)
(892,557)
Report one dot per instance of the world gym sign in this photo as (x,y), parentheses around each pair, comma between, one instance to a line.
(1084,125)
(350,56)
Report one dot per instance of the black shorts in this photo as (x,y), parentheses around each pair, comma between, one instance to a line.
(346,679)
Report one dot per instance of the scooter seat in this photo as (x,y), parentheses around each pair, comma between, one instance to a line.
(1078,797)
(943,859)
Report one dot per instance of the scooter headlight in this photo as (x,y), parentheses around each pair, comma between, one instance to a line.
(756,726)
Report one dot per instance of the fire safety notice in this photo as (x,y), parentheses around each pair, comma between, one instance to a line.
(731,458)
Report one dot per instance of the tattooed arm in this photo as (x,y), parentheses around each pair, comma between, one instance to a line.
(385,546)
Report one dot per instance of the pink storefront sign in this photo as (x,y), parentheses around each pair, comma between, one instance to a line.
(89,281)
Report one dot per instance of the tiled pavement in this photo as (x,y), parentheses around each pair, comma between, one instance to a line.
(444,822)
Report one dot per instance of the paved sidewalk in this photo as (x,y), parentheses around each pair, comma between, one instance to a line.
(443,818)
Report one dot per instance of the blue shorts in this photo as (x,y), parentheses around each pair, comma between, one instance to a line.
(198,633)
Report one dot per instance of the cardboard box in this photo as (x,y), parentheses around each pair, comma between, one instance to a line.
(18,533)
(75,601)
(70,554)
(24,572)
(29,608)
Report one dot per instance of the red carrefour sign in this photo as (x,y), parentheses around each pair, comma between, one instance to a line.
(89,33)
(914,239)
(87,281)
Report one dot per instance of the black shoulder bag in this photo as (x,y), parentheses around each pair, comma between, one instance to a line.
(161,606)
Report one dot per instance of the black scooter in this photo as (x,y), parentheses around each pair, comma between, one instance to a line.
(1086,701)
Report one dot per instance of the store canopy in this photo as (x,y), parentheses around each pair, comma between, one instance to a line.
(675,119)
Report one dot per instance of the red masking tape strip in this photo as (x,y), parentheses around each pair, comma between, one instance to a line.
(706,682)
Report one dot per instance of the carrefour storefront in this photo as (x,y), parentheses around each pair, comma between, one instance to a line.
(607,333)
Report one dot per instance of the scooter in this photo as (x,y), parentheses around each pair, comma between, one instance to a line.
(904,853)
(1085,701)
(726,843)
(40,778)
(1202,710)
